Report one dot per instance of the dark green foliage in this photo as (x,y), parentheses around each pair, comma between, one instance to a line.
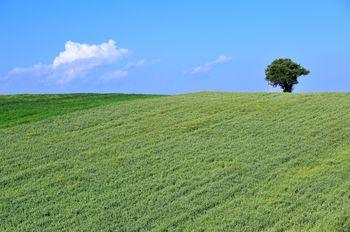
(24,108)
(284,73)
(197,162)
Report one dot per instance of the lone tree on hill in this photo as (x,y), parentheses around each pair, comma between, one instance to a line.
(284,73)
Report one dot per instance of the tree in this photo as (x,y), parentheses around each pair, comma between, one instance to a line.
(284,73)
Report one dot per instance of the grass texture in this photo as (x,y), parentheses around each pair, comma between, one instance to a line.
(196,162)
(25,108)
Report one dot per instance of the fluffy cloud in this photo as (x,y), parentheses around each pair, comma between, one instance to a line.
(209,66)
(98,54)
(77,60)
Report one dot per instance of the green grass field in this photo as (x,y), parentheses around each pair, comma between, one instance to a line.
(25,108)
(196,162)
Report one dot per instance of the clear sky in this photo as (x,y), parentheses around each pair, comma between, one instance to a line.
(158,46)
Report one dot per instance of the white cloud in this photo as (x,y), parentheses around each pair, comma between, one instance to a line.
(140,63)
(102,53)
(115,75)
(201,69)
(209,66)
(222,59)
(77,60)
(37,70)
(136,64)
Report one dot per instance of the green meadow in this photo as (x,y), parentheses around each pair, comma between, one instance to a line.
(24,108)
(206,161)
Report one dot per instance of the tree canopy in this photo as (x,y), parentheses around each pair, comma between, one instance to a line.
(284,73)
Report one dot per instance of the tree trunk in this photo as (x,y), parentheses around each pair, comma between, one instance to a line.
(287,88)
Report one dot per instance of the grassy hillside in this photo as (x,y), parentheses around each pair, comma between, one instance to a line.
(201,162)
(24,108)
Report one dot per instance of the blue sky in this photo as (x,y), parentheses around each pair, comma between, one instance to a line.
(158,46)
